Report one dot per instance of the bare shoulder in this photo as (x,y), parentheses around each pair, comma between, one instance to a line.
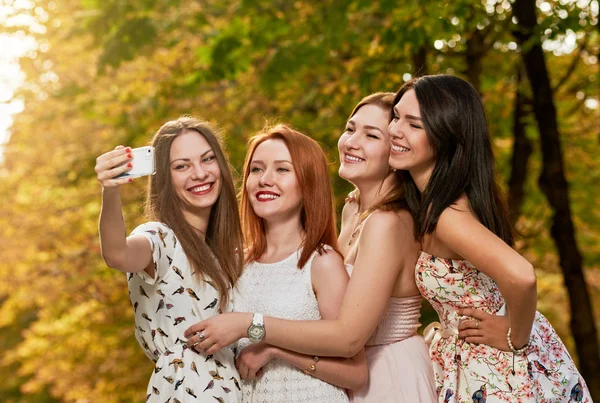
(456,213)
(350,209)
(327,270)
(327,260)
(388,223)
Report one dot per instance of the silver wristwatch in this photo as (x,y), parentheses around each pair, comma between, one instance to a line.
(256,331)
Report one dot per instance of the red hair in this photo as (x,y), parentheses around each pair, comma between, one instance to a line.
(318,212)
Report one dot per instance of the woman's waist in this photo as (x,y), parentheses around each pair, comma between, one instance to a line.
(394,329)
(278,374)
(399,321)
(447,327)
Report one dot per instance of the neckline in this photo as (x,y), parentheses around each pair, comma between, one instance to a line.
(442,258)
(297,252)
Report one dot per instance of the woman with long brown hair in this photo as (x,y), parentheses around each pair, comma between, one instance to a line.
(181,264)
(293,268)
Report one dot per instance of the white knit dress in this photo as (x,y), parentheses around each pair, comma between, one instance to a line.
(282,290)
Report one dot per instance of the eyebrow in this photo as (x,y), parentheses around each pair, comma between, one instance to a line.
(276,162)
(366,126)
(410,117)
(188,159)
(373,128)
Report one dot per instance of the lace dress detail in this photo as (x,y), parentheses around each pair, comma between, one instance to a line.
(467,372)
(282,290)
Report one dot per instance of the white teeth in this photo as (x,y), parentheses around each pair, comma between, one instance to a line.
(353,159)
(264,196)
(200,188)
(400,149)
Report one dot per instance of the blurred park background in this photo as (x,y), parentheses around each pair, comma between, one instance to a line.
(78,77)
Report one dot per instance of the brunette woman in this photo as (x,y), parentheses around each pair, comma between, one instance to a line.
(182,263)
(468,266)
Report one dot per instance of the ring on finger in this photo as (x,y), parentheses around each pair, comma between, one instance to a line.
(476,324)
(195,344)
(201,336)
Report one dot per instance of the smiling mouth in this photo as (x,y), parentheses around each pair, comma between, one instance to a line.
(267,196)
(400,149)
(202,189)
(352,158)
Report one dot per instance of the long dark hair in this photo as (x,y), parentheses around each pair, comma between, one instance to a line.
(223,234)
(454,120)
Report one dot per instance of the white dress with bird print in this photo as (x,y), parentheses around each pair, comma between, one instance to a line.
(165,306)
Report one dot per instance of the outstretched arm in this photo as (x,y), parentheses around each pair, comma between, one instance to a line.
(125,254)
(460,231)
(386,246)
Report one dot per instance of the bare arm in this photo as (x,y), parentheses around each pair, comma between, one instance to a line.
(329,280)
(459,230)
(131,254)
(349,373)
(386,245)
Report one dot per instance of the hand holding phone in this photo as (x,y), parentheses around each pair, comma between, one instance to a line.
(121,165)
(142,163)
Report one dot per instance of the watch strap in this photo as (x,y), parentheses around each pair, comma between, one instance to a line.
(258,319)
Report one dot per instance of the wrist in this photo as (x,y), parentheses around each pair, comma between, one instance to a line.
(272,351)
(113,191)
(245,322)
(519,346)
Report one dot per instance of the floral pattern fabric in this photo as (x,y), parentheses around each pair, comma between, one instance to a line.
(466,372)
(164,306)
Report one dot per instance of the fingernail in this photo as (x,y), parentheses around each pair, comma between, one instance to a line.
(129,156)
(128,149)
(129,164)
(130,179)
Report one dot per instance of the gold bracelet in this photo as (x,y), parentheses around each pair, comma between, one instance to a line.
(312,367)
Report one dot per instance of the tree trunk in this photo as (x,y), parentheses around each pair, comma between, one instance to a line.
(555,187)
(522,150)
(473,55)
(419,60)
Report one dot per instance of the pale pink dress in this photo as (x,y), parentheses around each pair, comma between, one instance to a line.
(400,369)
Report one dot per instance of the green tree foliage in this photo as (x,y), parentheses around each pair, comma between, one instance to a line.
(111,72)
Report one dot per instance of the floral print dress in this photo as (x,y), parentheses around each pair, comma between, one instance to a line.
(466,372)
(167,304)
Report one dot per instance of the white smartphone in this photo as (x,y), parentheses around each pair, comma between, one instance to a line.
(142,161)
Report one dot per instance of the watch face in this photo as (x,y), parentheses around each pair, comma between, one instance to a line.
(256,332)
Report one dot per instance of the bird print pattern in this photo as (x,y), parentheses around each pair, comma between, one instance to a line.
(164,306)
(466,372)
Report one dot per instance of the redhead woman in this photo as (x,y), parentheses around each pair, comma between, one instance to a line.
(292,271)
(503,350)
(182,263)
(380,309)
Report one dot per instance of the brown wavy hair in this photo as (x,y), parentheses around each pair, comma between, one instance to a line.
(223,234)
(394,199)
(318,212)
